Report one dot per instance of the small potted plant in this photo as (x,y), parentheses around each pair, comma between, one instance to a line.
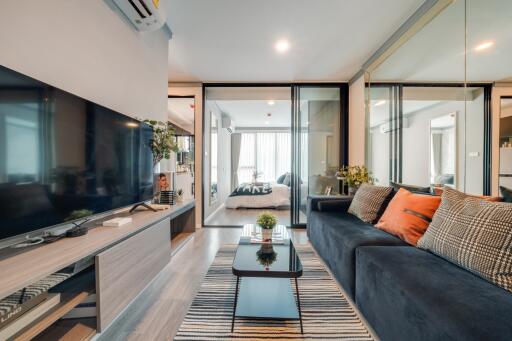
(267,221)
(354,176)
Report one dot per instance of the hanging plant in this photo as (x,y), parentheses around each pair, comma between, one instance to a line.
(163,141)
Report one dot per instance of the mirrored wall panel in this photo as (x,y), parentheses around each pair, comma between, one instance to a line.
(429,112)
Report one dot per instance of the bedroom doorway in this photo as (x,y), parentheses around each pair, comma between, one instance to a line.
(267,147)
(247,155)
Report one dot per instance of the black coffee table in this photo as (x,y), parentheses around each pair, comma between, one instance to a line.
(263,287)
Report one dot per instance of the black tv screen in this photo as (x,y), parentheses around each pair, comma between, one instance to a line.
(63,157)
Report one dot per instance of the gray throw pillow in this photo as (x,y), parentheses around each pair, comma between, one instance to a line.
(506,193)
(369,202)
(474,234)
(280,179)
(287,180)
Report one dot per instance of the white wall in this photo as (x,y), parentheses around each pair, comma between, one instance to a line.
(357,123)
(84,47)
(474,131)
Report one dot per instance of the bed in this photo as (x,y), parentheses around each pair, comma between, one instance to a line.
(260,197)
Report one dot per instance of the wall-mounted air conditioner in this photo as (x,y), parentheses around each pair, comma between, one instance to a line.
(228,123)
(390,126)
(144,15)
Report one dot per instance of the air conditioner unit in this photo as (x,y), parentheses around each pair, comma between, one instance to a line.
(228,124)
(390,126)
(144,15)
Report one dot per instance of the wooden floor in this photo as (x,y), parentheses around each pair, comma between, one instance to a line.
(157,313)
(229,217)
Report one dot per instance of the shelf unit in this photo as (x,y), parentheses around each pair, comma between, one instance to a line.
(125,260)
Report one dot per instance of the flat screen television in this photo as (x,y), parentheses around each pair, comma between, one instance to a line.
(63,157)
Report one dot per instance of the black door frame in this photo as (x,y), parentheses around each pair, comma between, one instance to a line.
(344,98)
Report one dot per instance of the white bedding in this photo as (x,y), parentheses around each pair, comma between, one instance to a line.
(279,197)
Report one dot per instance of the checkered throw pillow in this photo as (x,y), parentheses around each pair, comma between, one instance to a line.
(368,202)
(474,234)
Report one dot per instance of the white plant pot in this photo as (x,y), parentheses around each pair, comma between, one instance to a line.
(266,234)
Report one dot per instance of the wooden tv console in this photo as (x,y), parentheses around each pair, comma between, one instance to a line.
(126,259)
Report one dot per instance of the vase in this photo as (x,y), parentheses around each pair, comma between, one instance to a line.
(266,234)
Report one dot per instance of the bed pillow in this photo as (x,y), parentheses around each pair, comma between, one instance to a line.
(408,215)
(280,179)
(411,188)
(473,233)
(507,194)
(287,179)
(369,202)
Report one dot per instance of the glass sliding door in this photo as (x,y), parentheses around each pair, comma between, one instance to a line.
(248,158)
(318,143)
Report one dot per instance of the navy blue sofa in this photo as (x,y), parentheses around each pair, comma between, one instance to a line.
(405,293)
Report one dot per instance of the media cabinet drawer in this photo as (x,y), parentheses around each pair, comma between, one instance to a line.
(125,269)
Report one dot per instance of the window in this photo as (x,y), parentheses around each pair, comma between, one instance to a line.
(266,153)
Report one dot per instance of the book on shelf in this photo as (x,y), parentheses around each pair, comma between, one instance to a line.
(18,303)
(17,309)
(29,317)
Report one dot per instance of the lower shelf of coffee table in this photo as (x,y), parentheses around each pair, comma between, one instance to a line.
(271,298)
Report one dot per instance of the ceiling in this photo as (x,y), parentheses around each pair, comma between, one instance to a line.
(180,111)
(437,52)
(233,40)
(254,113)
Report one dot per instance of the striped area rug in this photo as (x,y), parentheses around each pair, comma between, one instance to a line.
(326,313)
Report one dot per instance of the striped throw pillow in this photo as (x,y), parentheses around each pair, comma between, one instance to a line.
(475,234)
(369,202)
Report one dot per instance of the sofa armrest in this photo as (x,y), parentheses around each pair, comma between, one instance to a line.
(326,203)
(340,205)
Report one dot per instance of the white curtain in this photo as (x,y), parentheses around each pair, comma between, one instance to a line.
(266,156)
(267,153)
(283,154)
(247,162)
(236,143)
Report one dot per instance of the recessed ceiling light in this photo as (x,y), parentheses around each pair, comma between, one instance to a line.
(282,46)
(379,103)
(484,45)
(271,102)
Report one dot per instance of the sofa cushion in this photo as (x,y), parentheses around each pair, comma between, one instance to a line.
(336,235)
(411,188)
(369,202)
(410,294)
(475,234)
(408,215)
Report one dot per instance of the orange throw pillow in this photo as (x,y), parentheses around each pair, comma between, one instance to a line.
(408,215)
